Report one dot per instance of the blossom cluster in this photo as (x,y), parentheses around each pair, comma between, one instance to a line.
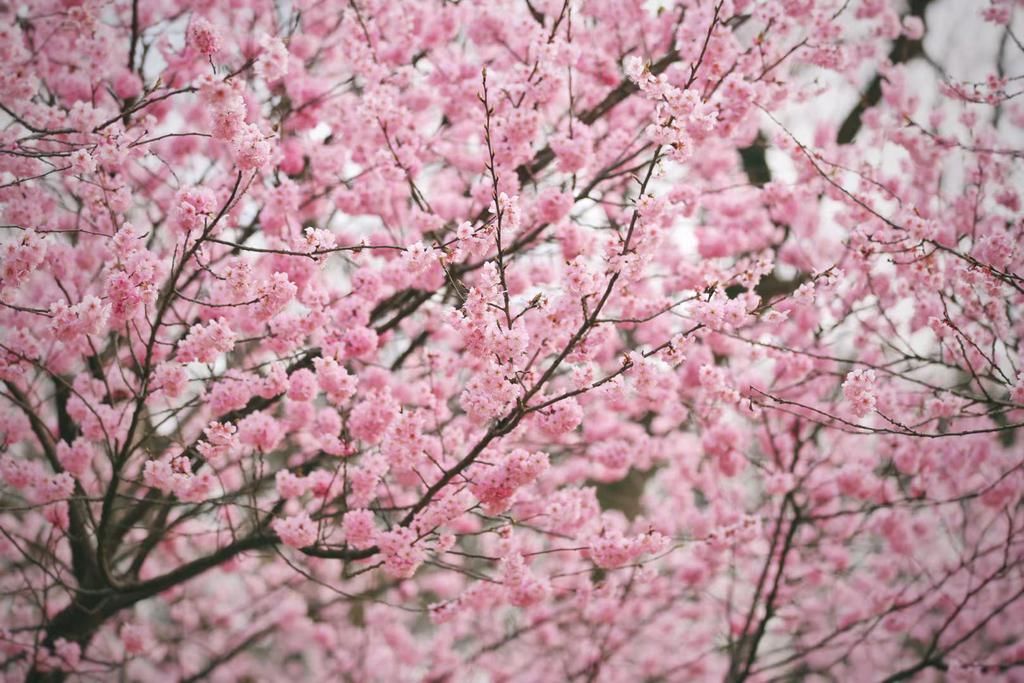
(513,341)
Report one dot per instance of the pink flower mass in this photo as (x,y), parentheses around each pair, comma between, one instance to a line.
(512,341)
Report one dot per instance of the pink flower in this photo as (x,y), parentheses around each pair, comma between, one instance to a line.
(20,474)
(20,258)
(260,431)
(860,390)
(359,528)
(204,37)
(173,474)
(302,385)
(359,342)
(723,443)
(505,290)
(57,487)
(913,27)
(230,393)
(289,485)
(561,418)
(272,63)
(444,510)
(137,638)
(370,418)
(171,379)
(553,205)
(89,317)
(75,458)
(221,441)
(57,514)
(488,394)
(319,241)
(273,296)
(297,531)
(524,589)
(194,208)
(612,549)
(205,343)
(496,485)
(227,107)
(252,149)
(401,556)
(335,380)
(574,152)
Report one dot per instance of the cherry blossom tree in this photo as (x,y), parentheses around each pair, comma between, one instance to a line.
(511,340)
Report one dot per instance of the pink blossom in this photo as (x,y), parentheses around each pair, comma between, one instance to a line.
(205,343)
(859,389)
(495,486)
(370,418)
(76,457)
(204,37)
(297,531)
(302,385)
(290,485)
(359,528)
(136,638)
(20,258)
(89,317)
(194,208)
(274,295)
(220,442)
(489,394)
(573,152)
(614,550)
(359,342)
(19,473)
(272,63)
(401,554)
(260,431)
(524,589)
(171,379)
(57,487)
(334,379)
(526,318)
(562,417)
